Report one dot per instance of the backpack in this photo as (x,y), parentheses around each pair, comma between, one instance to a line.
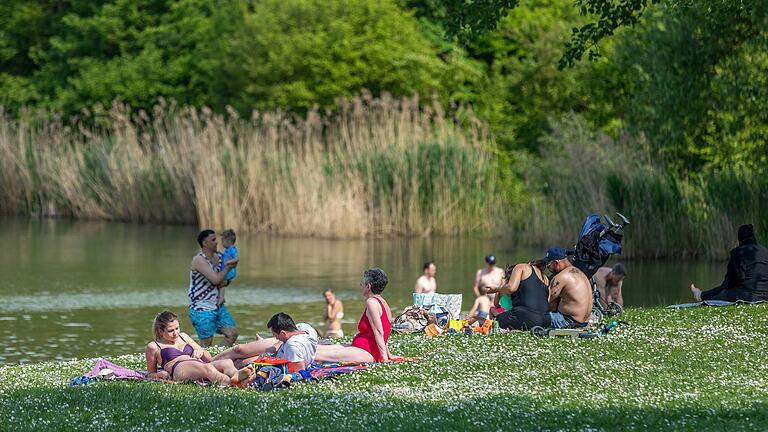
(412,320)
(269,378)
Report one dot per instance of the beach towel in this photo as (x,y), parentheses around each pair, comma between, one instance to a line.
(316,371)
(107,369)
(322,370)
(711,303)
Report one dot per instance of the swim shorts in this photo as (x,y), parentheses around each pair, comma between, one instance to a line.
(560,320)
(207,323)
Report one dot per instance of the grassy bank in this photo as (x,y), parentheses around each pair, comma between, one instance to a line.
(701,369)
(372,166)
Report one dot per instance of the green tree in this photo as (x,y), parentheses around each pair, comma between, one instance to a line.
(245,53)
(698,85)
(523,86)
(468,19)
(299,53)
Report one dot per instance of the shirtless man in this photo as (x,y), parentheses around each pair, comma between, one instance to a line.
(609,282)
(488,277)
(334,312)
(570,293)
(426,283)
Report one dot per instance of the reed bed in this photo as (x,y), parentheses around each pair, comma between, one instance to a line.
(372,166)
(583,172)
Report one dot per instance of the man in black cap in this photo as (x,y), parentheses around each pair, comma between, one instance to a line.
(489,276)
(747,275)
(570,293)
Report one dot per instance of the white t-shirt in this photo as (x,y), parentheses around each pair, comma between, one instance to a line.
(301,347)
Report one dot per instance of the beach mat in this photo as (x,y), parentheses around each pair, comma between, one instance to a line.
(318,370)
(716,303)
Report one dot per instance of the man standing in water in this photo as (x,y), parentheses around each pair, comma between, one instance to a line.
(747,275)
(207,272)
(426,283)
(488,277)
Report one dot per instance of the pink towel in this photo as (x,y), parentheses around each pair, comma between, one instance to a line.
(120,372)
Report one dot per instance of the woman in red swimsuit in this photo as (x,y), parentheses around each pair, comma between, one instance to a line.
(182,359)
(370,343)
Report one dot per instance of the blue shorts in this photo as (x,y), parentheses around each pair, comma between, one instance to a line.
(560,320)
(207,323)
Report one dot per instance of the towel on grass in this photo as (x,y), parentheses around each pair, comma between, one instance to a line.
(118,371)
(711,303)
(317,370)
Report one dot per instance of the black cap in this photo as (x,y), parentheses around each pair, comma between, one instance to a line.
(554,253)
(490,259)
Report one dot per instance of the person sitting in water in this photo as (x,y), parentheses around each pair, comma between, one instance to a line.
(334,312)
(488,277)
(609,282)
(747,276)
(569,299)
(296,343)
(184,360)
(526,287)
(371,342)
(426,283)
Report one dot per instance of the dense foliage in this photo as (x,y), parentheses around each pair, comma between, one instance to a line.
(261,54)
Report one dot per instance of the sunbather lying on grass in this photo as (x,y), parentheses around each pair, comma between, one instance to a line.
(182,359)
(369,345)
(296,343)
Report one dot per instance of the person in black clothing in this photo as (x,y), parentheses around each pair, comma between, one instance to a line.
(526,291)
(747,275)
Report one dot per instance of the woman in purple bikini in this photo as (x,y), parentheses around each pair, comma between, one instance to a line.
(182,359)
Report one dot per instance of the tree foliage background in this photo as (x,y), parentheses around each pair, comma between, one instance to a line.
(691,78)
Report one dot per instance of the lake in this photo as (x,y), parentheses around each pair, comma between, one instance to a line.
(88,289)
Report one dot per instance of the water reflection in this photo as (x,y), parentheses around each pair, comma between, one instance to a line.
(77,289)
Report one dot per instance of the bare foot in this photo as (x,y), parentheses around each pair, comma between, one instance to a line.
(696,293)
(243,375)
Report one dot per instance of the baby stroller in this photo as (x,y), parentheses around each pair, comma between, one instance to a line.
(597,242)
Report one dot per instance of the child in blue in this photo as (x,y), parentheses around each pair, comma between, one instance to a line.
(228,239)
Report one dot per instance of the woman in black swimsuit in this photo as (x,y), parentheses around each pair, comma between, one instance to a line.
(182,359)
(527,290)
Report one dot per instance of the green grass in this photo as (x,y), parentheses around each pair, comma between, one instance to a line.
(695,369)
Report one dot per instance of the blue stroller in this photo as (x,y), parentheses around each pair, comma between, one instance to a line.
(597,242)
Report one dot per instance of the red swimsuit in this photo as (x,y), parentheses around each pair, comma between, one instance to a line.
(365,339)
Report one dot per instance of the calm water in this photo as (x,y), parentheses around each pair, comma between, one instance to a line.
(87,289)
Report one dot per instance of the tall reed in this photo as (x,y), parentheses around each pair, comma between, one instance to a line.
(585,172)
(371,166)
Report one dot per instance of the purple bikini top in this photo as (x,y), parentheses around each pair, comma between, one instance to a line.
(169,353)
